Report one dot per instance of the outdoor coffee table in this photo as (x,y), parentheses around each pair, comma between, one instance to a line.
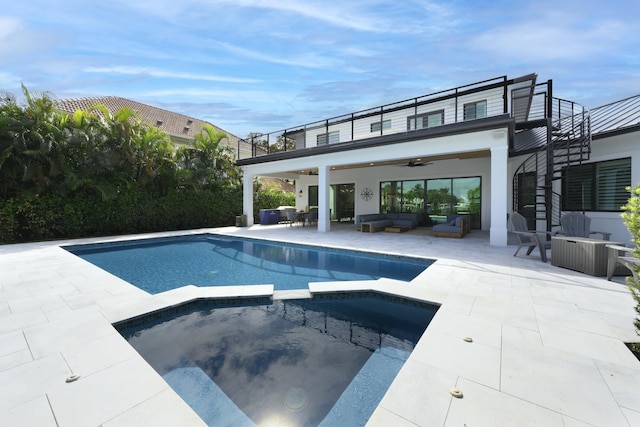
(397,229)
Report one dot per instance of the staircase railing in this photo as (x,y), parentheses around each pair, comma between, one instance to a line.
(568,142)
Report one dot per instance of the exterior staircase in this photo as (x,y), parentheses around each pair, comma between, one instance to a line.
(537,182)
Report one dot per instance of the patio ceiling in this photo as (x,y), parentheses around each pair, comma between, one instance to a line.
(400,162)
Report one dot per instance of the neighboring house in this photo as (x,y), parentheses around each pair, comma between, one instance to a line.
(488,148)
(277,184)
(180,128)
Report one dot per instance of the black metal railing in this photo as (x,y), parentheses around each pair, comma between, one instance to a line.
(568,142)
(372,122)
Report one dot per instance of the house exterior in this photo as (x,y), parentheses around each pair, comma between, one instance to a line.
(486,149)
(179,127)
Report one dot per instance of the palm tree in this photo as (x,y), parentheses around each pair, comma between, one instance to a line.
(11,169)
(155,159)
(30,144)
(210,163)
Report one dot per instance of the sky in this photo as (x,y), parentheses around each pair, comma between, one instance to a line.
(267,65)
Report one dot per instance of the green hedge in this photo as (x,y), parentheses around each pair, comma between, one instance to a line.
(48,217)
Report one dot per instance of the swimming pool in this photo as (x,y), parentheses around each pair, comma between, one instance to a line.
(325,361)
(158,265)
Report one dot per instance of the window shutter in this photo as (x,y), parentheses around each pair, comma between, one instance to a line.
(481,109)
(597,186)
(578,191)
(612,179)
(469,111)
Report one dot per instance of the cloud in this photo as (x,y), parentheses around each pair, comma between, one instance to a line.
(367,16)
(152,72)
(9,25)
(271,64)
(18,40)
(337,14)
(307,59)
(234,118)
(8,79)
(547,43)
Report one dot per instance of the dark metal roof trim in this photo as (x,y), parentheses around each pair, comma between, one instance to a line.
(616,118)
(615,132)
(477,125)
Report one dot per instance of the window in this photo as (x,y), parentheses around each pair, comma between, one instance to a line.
(596,186)
(475,110)
(333,138)
(427,120)
(434,197)
(375,126)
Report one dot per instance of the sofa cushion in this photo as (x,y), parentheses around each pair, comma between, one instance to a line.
(411,216)
(368,218)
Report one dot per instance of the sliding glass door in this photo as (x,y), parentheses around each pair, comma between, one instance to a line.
(341,201)
(434,198)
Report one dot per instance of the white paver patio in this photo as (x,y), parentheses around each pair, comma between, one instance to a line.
(547,343)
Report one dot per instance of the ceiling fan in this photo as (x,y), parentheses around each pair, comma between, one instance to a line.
(413,163)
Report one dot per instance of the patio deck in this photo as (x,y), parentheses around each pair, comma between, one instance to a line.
(548,343)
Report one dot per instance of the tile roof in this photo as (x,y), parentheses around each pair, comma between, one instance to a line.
(617,117)
(174,124)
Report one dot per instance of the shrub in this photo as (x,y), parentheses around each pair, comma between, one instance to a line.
(31,217)
(631,217)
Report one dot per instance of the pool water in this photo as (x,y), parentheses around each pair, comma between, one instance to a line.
(158,265)
(309,362)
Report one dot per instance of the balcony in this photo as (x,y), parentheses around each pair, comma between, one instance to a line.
(520,100)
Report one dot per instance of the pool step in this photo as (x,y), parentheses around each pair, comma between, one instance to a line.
(364,393)
(206,398)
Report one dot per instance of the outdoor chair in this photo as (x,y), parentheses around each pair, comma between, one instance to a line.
(623,256)
(312,216)
(529,239)
(292,217)
(576,224)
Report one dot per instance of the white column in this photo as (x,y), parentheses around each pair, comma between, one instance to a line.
(499,191)
(324,223)
(247,197)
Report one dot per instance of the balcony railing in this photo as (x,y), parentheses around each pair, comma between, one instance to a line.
(521,98)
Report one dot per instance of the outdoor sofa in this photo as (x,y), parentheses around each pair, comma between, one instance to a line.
(456,225)
(379,222)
